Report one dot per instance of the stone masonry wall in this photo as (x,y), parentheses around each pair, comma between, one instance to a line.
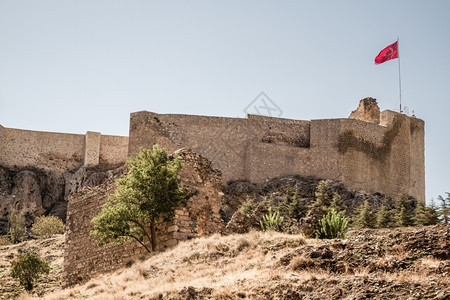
(59,152)
(44,150)
(224,141)
(259,148)
(394,164)
(83,258)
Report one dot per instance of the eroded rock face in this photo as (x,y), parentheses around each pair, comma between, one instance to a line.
(30,192)
(27,197)
(33,192)
(367,111)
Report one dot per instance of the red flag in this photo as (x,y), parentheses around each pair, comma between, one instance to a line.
(388,53)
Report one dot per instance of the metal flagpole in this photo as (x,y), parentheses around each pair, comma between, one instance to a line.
(399,77)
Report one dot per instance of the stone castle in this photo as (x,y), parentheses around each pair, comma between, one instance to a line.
(371,150)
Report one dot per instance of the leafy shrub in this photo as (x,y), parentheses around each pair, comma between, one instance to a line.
(17,227)
(248,207)
(332,225)
(444,210)
(28,269)
(271,221)
(47,226)
(336,202)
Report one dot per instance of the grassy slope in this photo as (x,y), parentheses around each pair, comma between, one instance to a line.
(408,263)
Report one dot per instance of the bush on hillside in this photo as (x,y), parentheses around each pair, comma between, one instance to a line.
(248,207)
(271,221)
(332,225)
(28,269)
(45,227)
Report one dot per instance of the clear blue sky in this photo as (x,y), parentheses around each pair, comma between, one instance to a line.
(74,66)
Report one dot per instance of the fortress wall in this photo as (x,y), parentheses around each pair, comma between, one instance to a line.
(417,184)
(113,150)
(59,152)
(392,169)
(91,149)
(258,148)
(83,258)
(45,150)
(224,141)
(266,161)
(358,169)
(398,179)
(324,146)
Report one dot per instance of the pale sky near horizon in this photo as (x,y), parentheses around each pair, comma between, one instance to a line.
(74,66)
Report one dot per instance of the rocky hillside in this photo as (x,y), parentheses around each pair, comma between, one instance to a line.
(293,197)
(402,263)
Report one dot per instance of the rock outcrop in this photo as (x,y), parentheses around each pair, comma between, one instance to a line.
(34,192)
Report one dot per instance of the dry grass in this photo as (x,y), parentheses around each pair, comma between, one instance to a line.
(221,263)
(269,265)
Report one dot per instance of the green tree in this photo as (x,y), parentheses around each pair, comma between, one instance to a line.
(296,209)
(336,202)
(403,216)
(150,192)
(332,225)
(17,227)
(364,217)
(383,217)
(425,215)
(322,197)
(28,269)
(292,205)
(434,213)
(444,210)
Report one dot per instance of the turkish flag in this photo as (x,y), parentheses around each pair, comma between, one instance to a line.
(388,53)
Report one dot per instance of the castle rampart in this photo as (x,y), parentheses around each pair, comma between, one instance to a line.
(384,155)
(59,152)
